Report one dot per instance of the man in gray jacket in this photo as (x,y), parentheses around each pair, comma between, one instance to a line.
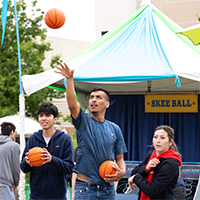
(9,162)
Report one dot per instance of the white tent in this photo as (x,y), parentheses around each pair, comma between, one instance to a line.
(31,125)
(141,54)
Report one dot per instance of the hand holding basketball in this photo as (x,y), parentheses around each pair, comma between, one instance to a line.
(34,157)
(111,172)
(37,156)
(106,168)
(27,160)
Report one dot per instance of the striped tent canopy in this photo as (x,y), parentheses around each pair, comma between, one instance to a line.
(141,54)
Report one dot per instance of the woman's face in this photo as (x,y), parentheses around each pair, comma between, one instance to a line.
(161,141)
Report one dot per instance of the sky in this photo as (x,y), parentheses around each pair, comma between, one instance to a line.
(79,15)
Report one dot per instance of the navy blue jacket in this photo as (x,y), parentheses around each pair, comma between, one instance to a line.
(49,180)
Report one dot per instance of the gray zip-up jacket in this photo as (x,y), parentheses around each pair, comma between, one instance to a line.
(9,161)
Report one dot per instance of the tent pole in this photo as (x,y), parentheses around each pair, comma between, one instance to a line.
(22,181)
(21,110)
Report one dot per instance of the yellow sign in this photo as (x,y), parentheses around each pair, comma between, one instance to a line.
(171,103)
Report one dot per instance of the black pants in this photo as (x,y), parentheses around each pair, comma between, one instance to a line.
(180,192)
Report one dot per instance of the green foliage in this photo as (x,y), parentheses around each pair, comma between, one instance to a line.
(27,177)
(54,60)
(32,48)
(68,118)
(198,17)
(74,142)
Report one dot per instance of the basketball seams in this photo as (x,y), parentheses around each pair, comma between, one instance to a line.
(105,169)
(61,21)
(35,161)
(58,18)
(34,154)
(50,20)
(112,170)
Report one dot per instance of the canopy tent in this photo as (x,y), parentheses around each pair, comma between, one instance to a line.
(143,48)
(30,125)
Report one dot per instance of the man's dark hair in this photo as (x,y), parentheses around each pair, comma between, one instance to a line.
(7,127)
(48,108)
(101,89)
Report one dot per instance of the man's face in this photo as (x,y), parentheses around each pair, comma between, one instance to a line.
(46,120)
(98,101)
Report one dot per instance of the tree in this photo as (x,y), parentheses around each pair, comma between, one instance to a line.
(32,48)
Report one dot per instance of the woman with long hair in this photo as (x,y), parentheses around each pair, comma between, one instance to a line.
(157,175)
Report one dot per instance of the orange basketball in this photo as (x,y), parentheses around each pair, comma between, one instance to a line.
(106,168)
(34,156)
(54,18)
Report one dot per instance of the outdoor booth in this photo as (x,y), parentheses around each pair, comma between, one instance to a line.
(139,115)
(153,77)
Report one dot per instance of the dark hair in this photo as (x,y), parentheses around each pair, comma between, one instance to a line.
(48,108)
(170,133)
(101,89)
(7,127)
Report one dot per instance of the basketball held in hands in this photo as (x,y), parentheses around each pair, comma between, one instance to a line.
(54,18)
(106,168)
(35,157)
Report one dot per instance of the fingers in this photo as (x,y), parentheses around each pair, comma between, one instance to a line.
(46,156)
(116,167)
(133,186)
(155,161)
(130,182)
(58,67)
(64,70)
(61,65)
(26,158)
(110,178)
(152,163)
(119,174)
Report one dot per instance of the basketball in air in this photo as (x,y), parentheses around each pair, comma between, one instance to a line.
(34,156)
(54,18)
(106,168)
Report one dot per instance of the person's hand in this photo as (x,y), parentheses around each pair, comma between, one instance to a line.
(64,70)
(27,160)
(130,182)
(15,190)
(117,176)
(152,163)
(72,196)
(46,156)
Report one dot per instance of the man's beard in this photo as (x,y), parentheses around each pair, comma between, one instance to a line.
(93,112)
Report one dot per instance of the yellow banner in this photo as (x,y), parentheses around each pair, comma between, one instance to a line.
(171,103)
